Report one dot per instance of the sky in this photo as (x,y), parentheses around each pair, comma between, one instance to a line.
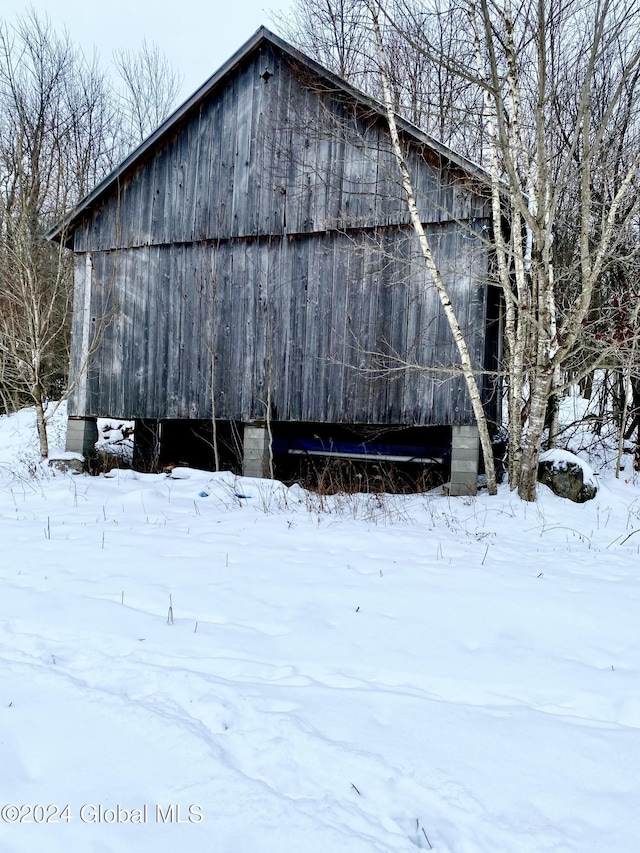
(198,37)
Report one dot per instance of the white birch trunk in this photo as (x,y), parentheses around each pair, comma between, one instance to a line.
(432,267)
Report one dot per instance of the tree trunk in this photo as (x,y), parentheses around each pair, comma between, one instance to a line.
(461,344)
(528,480)
(41,422)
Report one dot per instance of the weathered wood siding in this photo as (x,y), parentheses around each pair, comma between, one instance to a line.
(319,326)
(268,158)
(261,254)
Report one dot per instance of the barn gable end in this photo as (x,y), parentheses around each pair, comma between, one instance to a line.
(254,261)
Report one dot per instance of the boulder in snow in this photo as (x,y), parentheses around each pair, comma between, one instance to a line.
(567,475)
(66,461)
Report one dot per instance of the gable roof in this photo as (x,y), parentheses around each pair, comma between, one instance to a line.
(260,37)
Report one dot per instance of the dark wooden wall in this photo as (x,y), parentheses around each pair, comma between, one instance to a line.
(262,254)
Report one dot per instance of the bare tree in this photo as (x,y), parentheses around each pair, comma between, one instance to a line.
(335,33)
(53,119)
(61,132)
(432,267)
(431,95)
(149,89)
(560,89)
(544,95)
(548,133)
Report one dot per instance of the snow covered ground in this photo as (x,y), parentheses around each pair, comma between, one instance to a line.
(267,672)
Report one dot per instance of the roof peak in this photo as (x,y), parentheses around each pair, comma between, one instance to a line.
(64,229)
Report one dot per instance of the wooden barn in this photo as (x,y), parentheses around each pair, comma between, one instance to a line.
(249,275)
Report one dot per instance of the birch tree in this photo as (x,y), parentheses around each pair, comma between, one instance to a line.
(430,263)
(559,84)
(551,92)
(339,35)
(539,69)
